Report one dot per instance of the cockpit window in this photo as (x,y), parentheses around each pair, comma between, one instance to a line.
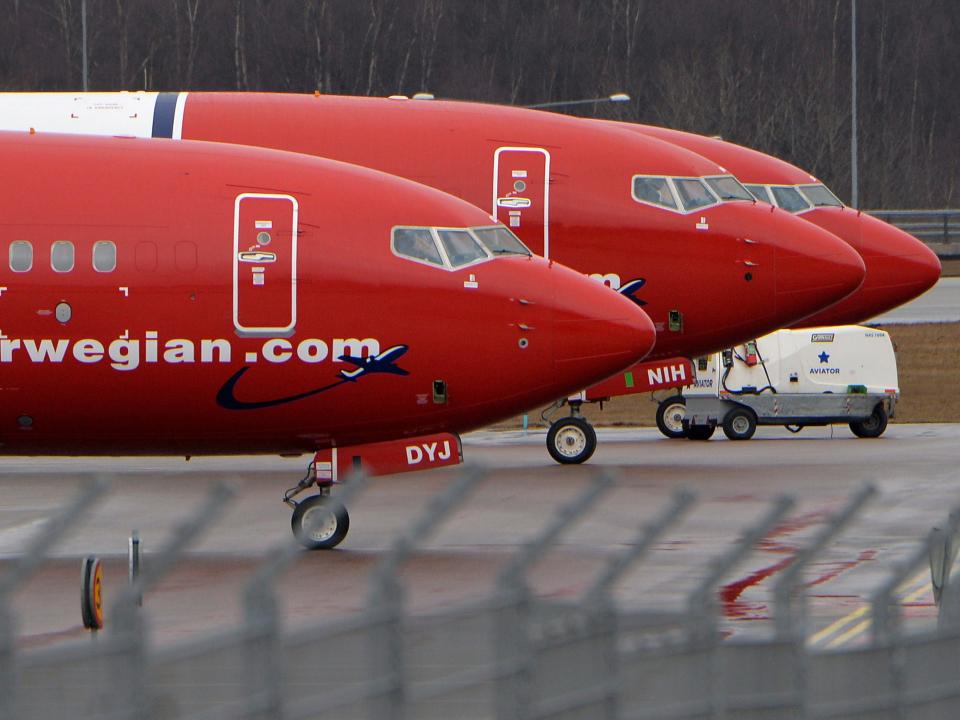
(418,244)
(654,190)
(820,196)
(693,193)
(728,187)
(460,246)
(789,198)
(759,192)
(500,241)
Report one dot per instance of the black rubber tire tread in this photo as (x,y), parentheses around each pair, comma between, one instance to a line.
(730,419)
(590,438)
(700,432)
(873,426)
(661,411)
(343,523)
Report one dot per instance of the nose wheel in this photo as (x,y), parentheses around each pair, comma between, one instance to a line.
(571,440)
(319,522)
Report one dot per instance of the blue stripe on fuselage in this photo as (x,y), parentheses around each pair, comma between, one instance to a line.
(163,113)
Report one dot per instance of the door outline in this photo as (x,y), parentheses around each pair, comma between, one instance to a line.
(274,330)
(546,188)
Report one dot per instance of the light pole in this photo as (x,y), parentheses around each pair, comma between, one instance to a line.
(83,25)
(854,189)
(615,98)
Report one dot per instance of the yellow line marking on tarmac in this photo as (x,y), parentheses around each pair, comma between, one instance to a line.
(852,632)
(909,591)
(838,624)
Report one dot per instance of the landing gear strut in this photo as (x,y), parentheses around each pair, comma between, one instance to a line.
(571,440)
(319,522)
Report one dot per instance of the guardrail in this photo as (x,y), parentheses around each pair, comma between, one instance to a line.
(937,228)
(510,655)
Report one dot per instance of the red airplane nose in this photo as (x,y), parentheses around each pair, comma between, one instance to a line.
(815,269)
(596,331)
(899,267)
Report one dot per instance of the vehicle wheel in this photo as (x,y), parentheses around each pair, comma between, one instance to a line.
(873,426)
(670,416)
(700,432)
(571,440)
(739,424)
(320,523)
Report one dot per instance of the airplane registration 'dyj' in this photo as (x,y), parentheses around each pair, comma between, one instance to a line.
(671,230)
(187,298)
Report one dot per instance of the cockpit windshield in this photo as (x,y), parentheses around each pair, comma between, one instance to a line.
(727,187)
(417,244)
(693,193)
(500,241)
(789,198)
(453,248)
(654,190)
(461,247)
(820,196)
(759,192)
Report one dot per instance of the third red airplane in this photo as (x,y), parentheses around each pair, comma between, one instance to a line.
(899,267)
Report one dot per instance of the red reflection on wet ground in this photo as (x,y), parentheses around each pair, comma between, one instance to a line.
(841,567)
(733,607)
(774,542)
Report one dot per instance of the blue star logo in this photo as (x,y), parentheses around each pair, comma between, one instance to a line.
(824,358)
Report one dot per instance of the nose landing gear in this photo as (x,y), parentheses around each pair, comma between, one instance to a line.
(571,440)
(319,522)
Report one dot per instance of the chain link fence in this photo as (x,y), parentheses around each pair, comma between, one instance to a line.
(511,655)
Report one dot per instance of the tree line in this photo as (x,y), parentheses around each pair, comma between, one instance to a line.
(771,75)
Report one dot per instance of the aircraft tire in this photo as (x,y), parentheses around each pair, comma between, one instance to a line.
(699,432)
(873,426)
(670,417)
(320,523)
(571,440)
(739,424)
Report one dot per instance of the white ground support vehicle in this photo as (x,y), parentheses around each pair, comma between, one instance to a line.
(794,378)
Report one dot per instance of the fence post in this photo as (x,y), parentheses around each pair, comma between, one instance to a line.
(386,597)
(701,603)
(788,618)
(598,594)
(23,567)
(128,690)
(514,686)
(262,623)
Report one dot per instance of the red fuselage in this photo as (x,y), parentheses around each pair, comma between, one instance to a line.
(899,267)
(708,277)
(164,297)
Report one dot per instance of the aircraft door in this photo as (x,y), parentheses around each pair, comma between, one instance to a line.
(521,194)
(265,264)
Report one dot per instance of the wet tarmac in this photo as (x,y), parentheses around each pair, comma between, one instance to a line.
(914,467)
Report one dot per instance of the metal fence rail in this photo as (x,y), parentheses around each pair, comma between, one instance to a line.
(935,227)
(509,656)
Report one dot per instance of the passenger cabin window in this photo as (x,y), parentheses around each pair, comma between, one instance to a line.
(789,198)
(104,256)
(61,256)
(500,241)
(760,193)
(693,193)
(654,190)
(21,256)
(417,244)
(820,196)
(729,188)
(460,247)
